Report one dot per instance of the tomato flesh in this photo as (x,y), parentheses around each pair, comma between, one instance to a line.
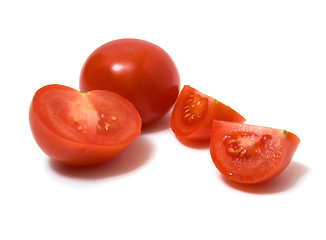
(136,69)
(195,109)
(244,145)
(82,128)
(251,154)
(194,112)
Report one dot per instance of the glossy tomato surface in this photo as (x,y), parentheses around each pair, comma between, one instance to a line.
(251,154)
(82,128)
(194,112)
(139,70)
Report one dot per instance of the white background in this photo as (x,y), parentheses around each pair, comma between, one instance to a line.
(266,59)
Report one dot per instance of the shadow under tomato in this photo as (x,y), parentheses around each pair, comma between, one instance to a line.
(162,124)
(286,181)
(194,144)
(132,158)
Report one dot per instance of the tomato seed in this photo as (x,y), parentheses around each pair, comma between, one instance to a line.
(242,153)
(238,150)
(107,126)
(231,141)
(231,150)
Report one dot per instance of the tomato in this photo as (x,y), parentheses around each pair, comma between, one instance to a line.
(193,114)
(82,128)
(251,154)
(139,70)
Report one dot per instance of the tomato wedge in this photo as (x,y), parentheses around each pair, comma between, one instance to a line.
(251,154)
(82,128)
(193,114)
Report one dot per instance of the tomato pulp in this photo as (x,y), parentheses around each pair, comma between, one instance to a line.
(139,70)
(251,154)
(193,114)
(82,128)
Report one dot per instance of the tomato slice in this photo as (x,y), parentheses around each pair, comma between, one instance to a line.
(251,154)
(82,128)
(193,114)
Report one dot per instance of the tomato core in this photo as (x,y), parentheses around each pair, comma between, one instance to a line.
(82,116)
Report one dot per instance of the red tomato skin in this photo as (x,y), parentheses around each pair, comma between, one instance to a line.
(67,151)
(202,131)
(289,141)
(139,70)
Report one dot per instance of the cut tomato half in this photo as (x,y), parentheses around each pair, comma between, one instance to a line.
(251,154)
(193,114)
(82,128)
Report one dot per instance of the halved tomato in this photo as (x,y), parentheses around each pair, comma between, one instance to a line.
(193,114)
(251,154)
(82,128)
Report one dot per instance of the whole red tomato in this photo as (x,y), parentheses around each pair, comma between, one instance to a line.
(138,70)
